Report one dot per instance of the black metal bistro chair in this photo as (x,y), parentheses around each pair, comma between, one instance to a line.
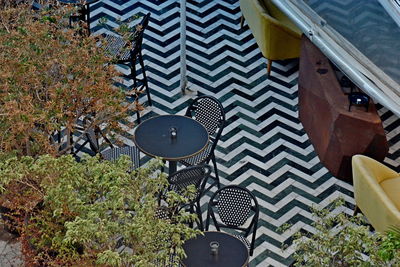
(128,52)
(82,13)
(235,206)
(114,153)
(194,175)
(92,137)
(210,113)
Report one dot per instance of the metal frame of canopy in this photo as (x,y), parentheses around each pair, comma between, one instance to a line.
(392,7)
(183,82)
(343,54)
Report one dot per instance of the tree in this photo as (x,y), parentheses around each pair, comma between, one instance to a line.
(51,77)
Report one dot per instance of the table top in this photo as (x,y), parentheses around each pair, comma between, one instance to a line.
(75,2)
(153,137)
(231,252)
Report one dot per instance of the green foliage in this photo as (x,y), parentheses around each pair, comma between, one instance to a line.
(339,240)
(95,212)
(390,247)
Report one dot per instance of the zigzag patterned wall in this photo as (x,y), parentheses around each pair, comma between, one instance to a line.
(264,146)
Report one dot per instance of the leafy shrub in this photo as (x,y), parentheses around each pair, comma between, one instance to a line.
(95,212)
(340,240)
(390,247)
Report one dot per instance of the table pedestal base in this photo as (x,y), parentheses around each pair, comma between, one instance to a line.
(172,167)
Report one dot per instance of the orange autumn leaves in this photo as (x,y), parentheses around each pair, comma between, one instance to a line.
(50,76)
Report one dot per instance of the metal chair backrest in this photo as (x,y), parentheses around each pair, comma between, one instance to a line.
(92,134)
(138,36)
(234,205)
(194,175)
(210,113)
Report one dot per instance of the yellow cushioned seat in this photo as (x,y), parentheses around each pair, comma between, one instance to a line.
(376,190)
(392,190)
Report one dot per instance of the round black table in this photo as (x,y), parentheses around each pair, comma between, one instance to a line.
(231,252)
(154,138)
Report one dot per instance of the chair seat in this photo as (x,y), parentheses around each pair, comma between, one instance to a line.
(117,47)
(162,213)
(375,192)
(244,240)
(114,153)
(200,158)
(392,189)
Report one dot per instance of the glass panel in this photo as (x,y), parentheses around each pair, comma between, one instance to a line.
(368,27)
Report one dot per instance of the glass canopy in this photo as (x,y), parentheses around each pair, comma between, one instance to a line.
(360,37)
(367,26)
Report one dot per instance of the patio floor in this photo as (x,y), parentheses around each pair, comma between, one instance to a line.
(264,146)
